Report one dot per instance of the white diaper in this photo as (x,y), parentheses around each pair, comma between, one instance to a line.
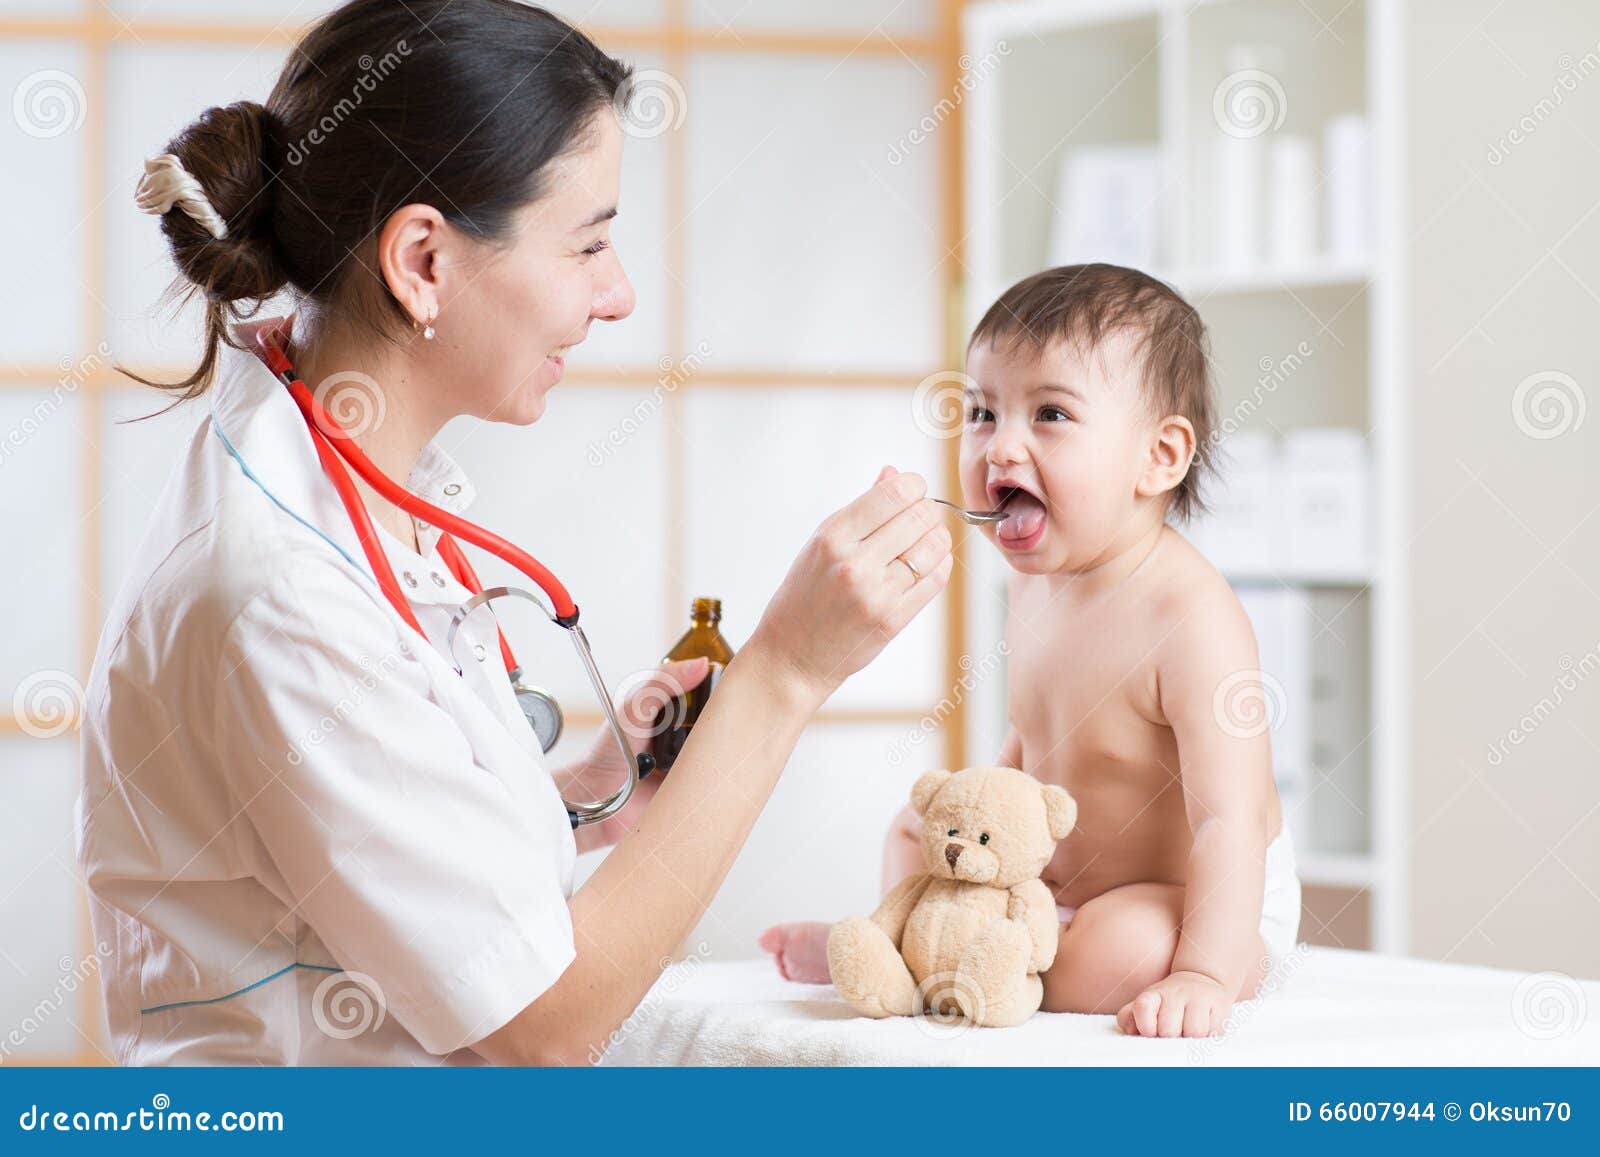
(1280,899)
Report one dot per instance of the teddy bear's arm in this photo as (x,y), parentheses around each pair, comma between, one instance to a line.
(895,910)
(1032,903)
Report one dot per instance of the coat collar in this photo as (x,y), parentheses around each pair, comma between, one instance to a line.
(253,410)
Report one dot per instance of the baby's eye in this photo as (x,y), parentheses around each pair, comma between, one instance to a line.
(977,415)
(983,839)
(597,247)
(952,831)
(1053,414)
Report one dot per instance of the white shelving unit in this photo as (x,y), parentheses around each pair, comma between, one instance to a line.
(1064,74)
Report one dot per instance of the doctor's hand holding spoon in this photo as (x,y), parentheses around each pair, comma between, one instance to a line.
(869,569)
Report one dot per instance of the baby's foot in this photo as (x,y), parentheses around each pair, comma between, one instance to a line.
(800,950)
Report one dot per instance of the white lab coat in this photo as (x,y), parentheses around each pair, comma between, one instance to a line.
(307,839)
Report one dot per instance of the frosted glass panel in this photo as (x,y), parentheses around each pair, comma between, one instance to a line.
(41,197)
(41,507)
(285,13)
(297,13)
(136,460)
(765,467)
(141,118)
(611,14)
(45,972)
(816,853)
(808,247)
(600,528)
(41,7)
(863,16)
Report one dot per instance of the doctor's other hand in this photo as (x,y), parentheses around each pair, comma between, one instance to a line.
(866,572)
(638,710)
(600,769)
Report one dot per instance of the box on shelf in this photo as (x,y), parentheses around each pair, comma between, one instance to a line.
(1340,724)
(1347,161)
(1325,500)
(1239,165)
(1240,530)
(1291,199)
(1298,507)
(1109,205)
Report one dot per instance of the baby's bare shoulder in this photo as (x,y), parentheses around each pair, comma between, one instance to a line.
(1198,615)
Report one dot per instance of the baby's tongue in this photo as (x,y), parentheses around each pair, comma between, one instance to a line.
(1024,515)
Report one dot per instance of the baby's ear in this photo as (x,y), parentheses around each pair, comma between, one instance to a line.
(1060,810)
(926,787)
(1172,454)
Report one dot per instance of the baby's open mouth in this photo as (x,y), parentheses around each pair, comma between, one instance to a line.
(1025,511)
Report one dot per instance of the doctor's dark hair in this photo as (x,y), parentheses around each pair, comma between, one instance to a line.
(458,104)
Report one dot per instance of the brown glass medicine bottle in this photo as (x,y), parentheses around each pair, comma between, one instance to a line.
(677,717)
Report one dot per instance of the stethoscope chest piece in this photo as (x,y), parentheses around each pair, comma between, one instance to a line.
(541,710)
(335,447)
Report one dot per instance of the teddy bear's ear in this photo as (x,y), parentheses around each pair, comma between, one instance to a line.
(1060,810)
(926,787)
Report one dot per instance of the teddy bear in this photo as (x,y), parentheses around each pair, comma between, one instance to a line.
(969,936)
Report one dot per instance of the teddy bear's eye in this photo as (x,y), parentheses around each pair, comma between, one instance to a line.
(952,831)
(983,839)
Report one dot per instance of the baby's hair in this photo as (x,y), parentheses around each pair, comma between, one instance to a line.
(1086,304)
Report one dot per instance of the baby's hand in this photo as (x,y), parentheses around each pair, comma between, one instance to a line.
(1184,1004)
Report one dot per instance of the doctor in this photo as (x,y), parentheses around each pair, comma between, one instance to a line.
(307,838)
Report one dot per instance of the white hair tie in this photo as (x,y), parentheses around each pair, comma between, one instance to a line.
(166,183)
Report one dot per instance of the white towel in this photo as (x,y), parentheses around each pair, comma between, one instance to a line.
(1326,1007)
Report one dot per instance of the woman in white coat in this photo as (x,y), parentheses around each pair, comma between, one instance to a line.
(287,786)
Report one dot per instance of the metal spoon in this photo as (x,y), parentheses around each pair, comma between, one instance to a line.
(973,517)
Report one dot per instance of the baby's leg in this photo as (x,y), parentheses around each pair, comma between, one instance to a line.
(801,950)
(902,849)
(1118,945)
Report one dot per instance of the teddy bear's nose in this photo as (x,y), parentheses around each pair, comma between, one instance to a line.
(952,853)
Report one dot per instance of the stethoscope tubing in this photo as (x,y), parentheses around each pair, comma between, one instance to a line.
(335,447)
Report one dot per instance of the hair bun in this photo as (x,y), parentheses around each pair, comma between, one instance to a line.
(226,151)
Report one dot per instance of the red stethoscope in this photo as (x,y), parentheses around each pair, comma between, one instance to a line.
(335,447)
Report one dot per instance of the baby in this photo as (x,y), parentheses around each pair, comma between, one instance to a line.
(1088,421)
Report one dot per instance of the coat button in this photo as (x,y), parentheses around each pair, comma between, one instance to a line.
(438,579)
(411,579)
(479,652)
(452,488)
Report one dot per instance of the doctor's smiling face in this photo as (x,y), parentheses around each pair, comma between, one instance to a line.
(508,313)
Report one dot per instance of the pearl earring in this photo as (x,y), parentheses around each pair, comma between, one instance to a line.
(427,329)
